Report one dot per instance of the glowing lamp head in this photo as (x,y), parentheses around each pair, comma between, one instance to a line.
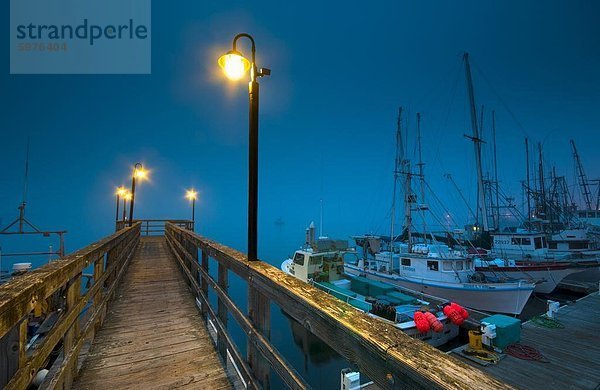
(127,195)
(121,191)
(191,195)
(140,173)
(234,64)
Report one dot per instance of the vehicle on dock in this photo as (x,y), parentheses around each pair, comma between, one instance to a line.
(321,263)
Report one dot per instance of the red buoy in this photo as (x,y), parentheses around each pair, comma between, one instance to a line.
(453,314)
(434,323)
(461,310)
(421,322)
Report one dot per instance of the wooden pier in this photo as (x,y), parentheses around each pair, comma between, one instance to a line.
(142,321)
(572,353)
(153,334)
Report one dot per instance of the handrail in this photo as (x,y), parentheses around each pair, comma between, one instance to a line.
(57,287)
(151,227)
(392,359)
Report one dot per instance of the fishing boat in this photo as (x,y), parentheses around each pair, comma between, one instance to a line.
(321,263)
(438,270)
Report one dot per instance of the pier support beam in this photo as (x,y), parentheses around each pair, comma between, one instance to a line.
(260,315)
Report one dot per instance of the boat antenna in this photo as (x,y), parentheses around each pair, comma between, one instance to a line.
(476,143)
(528,181)
(321,201)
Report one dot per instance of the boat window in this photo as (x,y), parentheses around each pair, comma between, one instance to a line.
(526,241)
(299,259)
(582,214)
(459,265)
(591,214)
(315,260)
(469,264)
(447,266)
(405,262)
(432,266)
(544,242)
(538,242)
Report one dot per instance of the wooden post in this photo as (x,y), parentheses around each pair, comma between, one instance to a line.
(260,314)
(73,295)
(98,271)
(204,283)
(222,313)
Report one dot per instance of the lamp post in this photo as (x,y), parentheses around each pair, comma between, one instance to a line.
(235,65)
(138,173)
(192,195)
(126,197)
(121,191)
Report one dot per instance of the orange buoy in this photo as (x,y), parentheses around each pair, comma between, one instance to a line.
(421,322)
(434,323)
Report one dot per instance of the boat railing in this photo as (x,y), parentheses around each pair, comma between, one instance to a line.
(346,298)
(378,349)
(55,290)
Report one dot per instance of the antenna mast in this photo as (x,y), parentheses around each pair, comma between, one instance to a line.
(422,206)
(476,143)
(397,163)
(497,227)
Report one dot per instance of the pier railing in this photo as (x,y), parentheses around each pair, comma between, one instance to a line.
(389,357)
(155,227)
(55,289)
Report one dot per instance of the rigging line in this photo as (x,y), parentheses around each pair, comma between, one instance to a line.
(25,182)
(512,114)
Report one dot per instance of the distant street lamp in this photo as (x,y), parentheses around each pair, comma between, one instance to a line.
(235,65)
(192,195)
(138,173)
(121,191)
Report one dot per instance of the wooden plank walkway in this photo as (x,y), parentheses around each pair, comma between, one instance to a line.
(573,352)
(153,336)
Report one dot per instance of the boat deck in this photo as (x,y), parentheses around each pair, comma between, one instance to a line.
(153,336)
(573,352)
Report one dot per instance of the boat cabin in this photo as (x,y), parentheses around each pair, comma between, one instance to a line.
(324,266)
(520,243)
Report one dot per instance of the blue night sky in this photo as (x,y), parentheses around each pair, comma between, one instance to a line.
(327,121)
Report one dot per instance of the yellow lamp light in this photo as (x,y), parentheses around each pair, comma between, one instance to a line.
(127,196)
(234,64)
(191,195)
(121,191)
(141,173)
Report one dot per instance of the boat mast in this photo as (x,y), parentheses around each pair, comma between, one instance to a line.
(422,206)
(397,163)
(542,183)
(497,226)
(476,143)
(528,189)
(583,182)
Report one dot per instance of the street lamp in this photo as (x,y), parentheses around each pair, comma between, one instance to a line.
(138,173)
(192,195)
(121,191)
(235,65)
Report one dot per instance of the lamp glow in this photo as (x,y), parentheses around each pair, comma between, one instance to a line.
(127,195)
(121,191)
(191,195)
(234,64)
(141,173)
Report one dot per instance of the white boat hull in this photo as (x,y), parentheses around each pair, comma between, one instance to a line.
(509,298)
(545,280)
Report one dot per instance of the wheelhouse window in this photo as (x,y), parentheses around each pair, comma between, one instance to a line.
(299,259)
(469,264)
(433,266)
(526,241)
(446,265)
(315,260)
(459,265)
(538,243)
(405,262)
